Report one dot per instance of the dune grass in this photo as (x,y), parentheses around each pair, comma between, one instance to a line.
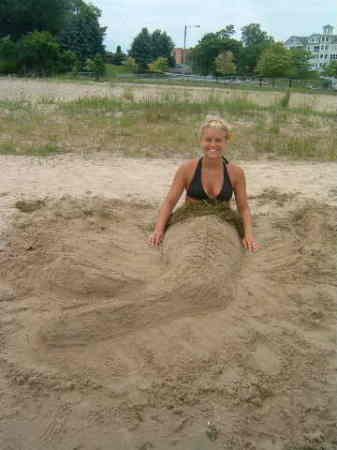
(165,125)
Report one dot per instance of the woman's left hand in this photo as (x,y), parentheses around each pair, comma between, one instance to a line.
(250,244)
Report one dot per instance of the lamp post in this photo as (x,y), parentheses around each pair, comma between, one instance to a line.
(185,34)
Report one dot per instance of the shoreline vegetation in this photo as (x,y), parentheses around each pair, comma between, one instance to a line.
(154,121)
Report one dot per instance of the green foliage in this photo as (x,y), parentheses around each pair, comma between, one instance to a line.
(76,68)
(112,71)
(284,102)
(255,41)
(147,47)
(162,46)
(97,66)
(275,61)
(82,33)
(33,25)
(67,62)
(331,69)
(141,49)
(8,56)
(131,64)
(301,67)
(39,53)
(228,31)
(252,35)
(209,47)
(20,17)
(116,58)
(224,63)
(160,65)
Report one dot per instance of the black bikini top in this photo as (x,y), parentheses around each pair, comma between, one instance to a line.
(196,190)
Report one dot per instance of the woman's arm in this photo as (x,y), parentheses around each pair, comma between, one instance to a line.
(242,203)
(172,198)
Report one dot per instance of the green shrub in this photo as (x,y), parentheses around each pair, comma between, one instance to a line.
(8,56)
(284,102)
(97,66)
(39,53)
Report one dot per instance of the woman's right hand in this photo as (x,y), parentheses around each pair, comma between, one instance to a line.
(156,238)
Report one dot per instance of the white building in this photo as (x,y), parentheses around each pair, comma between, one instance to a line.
(323,47)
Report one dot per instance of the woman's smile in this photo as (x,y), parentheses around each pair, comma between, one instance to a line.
(213,142)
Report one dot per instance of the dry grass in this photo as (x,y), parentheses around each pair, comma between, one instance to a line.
(161,124)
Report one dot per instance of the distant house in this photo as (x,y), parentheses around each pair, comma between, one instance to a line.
(323,47)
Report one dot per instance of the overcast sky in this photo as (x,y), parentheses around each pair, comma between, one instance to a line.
(280,18)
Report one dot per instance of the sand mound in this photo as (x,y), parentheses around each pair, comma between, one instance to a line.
(245,340)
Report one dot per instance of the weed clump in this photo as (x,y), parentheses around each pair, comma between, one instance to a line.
(222,210)
(284,102)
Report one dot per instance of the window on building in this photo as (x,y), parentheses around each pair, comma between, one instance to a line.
(316,48)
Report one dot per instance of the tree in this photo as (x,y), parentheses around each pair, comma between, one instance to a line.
(147,47)
(228,31)
(209,47)
(20,17)
(275,61)
(301,67)
(96,65)
(118,57)
(255,41)
(8,55)
(330,69)
(160,65)
(131,64)
(39,53)
(162,46)
(82,33)
(141,49)
(224,63)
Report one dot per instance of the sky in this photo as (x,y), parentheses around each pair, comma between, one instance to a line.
(279,18)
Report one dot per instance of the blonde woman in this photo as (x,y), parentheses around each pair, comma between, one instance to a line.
(212,179)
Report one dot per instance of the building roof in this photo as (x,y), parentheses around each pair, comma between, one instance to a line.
(300,39)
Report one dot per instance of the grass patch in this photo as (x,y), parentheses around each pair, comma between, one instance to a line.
(7,148)
(284,102)
(15,105)
(85,104)
(42,150)
(164,124)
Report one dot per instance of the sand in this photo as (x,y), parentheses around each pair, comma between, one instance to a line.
(107,343)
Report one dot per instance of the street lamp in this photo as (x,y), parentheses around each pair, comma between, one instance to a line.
(185,33)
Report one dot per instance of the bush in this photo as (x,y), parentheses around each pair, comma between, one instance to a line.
(39,53)
(160,65)
(67,62)
(97,66)
(8,56)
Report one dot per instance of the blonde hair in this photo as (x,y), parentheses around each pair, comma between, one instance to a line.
(215,122)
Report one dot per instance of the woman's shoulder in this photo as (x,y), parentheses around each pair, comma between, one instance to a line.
(234,167)
(236,172)
(188,165)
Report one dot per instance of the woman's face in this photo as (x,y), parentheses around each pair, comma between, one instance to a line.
(213,142)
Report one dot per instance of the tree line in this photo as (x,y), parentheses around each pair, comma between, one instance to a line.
(219,53)
(43,37)
(256,53)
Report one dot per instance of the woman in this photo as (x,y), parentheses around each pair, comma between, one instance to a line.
(211,178)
